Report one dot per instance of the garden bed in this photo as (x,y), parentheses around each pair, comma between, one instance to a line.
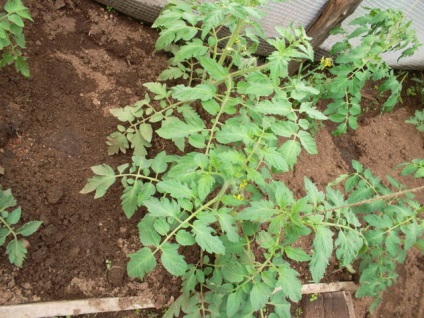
(85,60)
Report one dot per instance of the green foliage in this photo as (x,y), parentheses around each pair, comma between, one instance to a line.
(242,121)
(12,39)
(10,215)
(417,120)
(358,60)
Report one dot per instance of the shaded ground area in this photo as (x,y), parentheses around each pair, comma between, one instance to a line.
(85,60)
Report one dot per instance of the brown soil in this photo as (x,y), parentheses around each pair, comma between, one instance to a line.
(85,60)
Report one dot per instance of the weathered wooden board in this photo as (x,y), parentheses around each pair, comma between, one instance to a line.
(329,305)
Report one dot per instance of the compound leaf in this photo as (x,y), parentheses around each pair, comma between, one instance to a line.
(100,183)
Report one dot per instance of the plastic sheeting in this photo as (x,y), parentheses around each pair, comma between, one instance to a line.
(303,12)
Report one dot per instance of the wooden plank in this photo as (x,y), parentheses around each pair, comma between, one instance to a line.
(329,305)
(75,307)
(99,305)
(332,16)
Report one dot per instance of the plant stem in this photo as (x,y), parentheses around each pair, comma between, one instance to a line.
(8,227)
(381,197)
(229,83)
(195,213)
(231,41)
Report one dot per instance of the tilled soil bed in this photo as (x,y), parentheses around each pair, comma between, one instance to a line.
(85,60)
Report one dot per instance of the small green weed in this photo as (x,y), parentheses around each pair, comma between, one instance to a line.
(12,39)
(10,215)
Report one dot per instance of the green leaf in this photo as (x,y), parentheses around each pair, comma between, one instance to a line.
(16,252)
(14,216)
(204,237)
(130,198)
(203,92)
(158,89)
(280,106)
(195,48)
(348,245)
(258,84)
(232,133)
(146,231)
(170,73)
(323,247)
(289,283)
(259,211)
(173,128)
(22,66)
(176,189)
(285,128)
(392,243)
(312,111)
(259,295)
(228,224)
(160,162)
(275,159)
(14,6)
(116,142)
(205,186)
(211,106)
(162,208)
(172,261)
(185,238)
(142,262)
(29,228)
(161,226)
(145,193)
(197,141)
(234,302)
(290,150)
(16,19)
(233,271)
(100,183)
(308,142)
(412,232)
(296,254)
(215,70)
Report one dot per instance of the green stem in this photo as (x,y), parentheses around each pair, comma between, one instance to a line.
(381,197)
(8,227)
(195,213)
(221,111)
(231,41)
(137,176)
(399,224)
